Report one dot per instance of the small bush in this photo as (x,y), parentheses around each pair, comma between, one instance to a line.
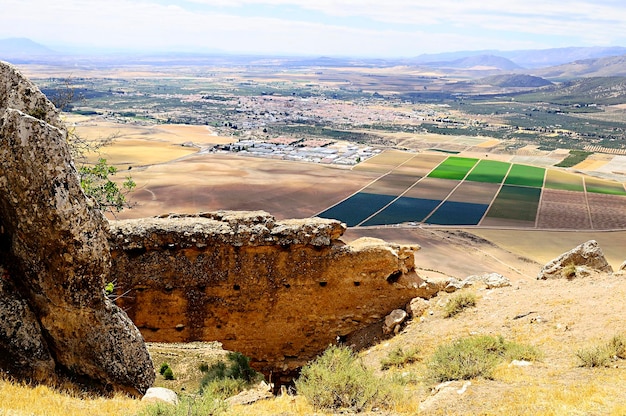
(400,357)
(338,380)
(168,373)
(476,356)
(459,303)
(203,367)
(617,344)
(163,367)
(569,271)
(225,380)
(603,355)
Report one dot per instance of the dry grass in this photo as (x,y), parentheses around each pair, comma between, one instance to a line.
(18,399)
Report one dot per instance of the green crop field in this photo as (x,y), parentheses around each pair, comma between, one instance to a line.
(525,176)
(599,186)
(490,171)
(453,168)
(516,203)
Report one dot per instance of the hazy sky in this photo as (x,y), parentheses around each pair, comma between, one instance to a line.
(316,27)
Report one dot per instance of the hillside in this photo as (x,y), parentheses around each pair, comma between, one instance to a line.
(22,49)
(613,66)
(558,317)
(583,91)
(477,62)
(514,81)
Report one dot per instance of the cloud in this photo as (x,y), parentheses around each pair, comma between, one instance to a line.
(340,27)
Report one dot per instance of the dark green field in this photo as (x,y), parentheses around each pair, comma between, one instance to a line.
(525,175)
(518,203)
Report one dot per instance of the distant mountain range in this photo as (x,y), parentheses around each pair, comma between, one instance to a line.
(534,58)
(23,48)
(554,64)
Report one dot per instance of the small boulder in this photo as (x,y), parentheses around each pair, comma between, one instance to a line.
(160,395)
(394,321)
(578,262)
(495,280)
(417,307)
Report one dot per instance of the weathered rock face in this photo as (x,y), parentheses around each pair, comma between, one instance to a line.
(277,291)
(582,260)
(55,258)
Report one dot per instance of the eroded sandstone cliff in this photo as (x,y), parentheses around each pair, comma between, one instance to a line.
(277,291)
(55,258)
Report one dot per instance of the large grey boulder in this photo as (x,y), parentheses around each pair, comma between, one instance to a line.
(55,258)
(579,261)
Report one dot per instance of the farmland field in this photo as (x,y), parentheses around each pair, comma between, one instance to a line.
(455,168)
(518,203)
(392,187)
(357,208)
(489,171)
(556,179)
(525,175)
(561,209)
(600,186)
(458,213)
(404,209)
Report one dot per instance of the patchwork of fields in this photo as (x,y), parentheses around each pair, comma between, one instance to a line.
(451,190)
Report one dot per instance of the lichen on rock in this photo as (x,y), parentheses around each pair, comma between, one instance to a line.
(55,251)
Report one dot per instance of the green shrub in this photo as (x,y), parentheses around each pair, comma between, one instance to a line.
(168,373)
(338,380)
(603,355)
(188,406)
(459,303)
(225,380)
(476,356)
(400,357)
(163,367)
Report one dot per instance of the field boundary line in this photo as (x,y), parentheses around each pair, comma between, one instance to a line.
(543,185)
(587,203)
(360,190)
(451,192)
(496,195)
(399,196)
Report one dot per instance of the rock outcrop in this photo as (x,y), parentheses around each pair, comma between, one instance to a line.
(278,291)
(580,261)
(55,258)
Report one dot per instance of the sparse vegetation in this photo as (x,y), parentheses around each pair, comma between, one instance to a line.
(400,357)
(227,379)
(569,271)
(108,196)
(339,380)
(459,303)
(200,405)
(603,355)
(476,356)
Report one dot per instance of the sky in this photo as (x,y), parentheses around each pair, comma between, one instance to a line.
(366,28)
